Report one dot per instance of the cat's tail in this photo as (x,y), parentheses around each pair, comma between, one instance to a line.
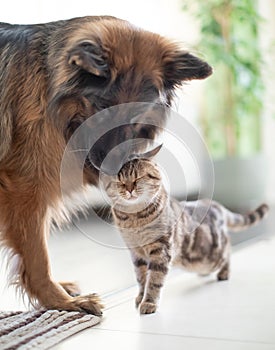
(238,222)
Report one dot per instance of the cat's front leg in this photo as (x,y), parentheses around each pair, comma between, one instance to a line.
(157,270)
(141,267)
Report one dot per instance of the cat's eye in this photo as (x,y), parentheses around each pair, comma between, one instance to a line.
(153,177)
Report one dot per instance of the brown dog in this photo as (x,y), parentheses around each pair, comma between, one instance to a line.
(52,77)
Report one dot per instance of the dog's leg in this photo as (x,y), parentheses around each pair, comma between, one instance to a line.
(25,233)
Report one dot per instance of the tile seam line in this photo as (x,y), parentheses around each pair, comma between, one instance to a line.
(185,336)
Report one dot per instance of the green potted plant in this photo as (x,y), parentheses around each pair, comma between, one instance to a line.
(230,117)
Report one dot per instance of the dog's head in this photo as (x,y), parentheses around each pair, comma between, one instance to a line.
(105,62)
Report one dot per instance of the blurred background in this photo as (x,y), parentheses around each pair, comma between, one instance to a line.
(233,110)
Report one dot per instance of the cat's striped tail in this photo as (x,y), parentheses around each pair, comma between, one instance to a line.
(238,222)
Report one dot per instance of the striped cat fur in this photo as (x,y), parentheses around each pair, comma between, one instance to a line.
(156,228)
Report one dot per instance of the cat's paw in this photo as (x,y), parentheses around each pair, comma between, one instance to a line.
(147,308)
(138,300)
(223,277)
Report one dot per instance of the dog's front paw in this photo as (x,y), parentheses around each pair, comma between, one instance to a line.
(90,304)
(147,308)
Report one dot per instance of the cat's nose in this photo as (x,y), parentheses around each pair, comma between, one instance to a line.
(129,187)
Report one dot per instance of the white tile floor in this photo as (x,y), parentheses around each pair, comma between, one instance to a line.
(195,313)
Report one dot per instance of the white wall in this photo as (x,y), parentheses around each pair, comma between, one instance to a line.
(163,16)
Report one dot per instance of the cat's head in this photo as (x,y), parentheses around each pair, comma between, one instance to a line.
(137,182)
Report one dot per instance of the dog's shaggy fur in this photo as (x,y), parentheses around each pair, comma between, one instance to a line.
(52,77)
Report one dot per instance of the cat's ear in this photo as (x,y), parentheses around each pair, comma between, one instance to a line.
(148,155)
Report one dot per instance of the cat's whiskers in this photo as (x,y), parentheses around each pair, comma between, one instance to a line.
(105,212)
(115,202)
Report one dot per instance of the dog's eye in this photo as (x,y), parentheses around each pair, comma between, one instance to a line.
(74,123)
(100,104)
(100,107)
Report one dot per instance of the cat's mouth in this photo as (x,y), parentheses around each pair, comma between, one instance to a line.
(131,198)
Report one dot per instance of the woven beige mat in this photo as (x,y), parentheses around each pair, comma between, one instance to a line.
(41,329)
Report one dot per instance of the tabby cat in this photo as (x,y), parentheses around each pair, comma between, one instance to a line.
(156,228)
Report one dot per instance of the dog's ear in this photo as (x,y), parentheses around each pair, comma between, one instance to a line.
(90,57)
(182,66)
